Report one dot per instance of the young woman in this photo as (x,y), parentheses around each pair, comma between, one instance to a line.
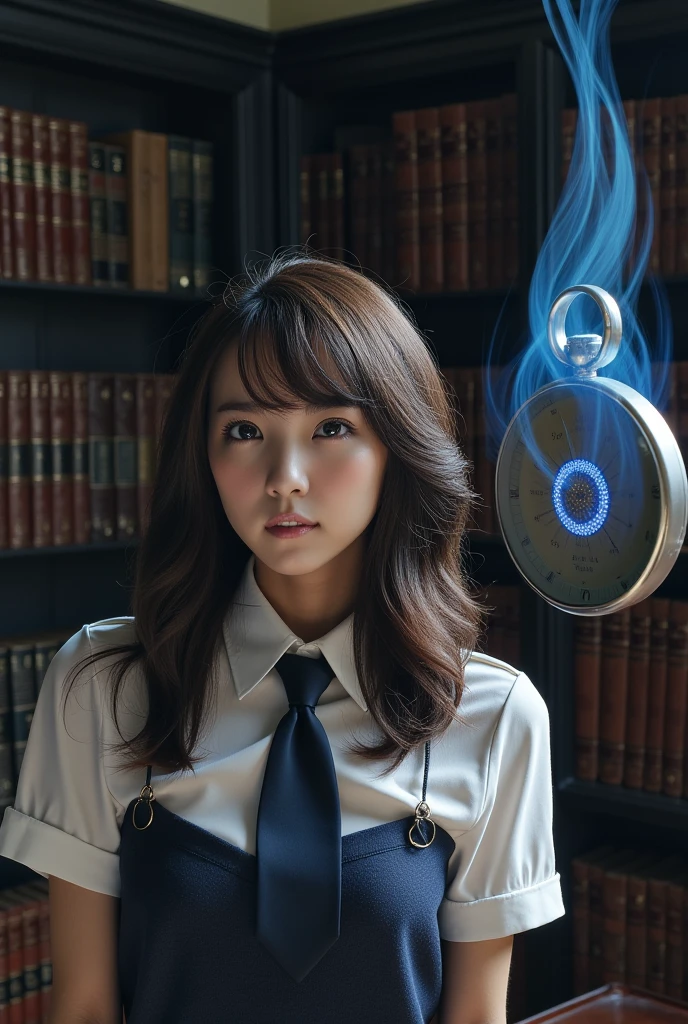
(222,846)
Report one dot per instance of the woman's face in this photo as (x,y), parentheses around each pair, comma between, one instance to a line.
(326,465)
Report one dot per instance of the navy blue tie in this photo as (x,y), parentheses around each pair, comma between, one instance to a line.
(299,832)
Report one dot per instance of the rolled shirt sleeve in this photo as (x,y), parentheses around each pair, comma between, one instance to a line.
(501,876)
(64,821)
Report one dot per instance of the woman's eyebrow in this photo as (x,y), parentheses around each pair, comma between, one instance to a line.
(236,406)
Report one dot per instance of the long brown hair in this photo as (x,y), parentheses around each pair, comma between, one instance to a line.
(415,622)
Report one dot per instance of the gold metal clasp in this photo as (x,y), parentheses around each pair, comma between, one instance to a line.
(147,799)
(422,814)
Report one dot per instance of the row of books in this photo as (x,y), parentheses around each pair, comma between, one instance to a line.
(77,455)
(26,967)
(629,913)
(133,209)
(658,133)
(23,664)
(631,697)
(434,209)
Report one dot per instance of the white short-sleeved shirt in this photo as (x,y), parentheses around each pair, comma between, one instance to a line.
(489,781)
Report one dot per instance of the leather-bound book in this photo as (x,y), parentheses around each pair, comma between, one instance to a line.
(160,217)
(61,432)
(358,168)
(181,214)
(136,144)
(586,674)
(117,215)
(676,907)
(81,490)
(98,212)
(19,462)
(657,892)
(510,164)
(477,195)
(656,695)
(125,456)
(430,199)
(41,459)
(616,635)
(407,238)
(636,924)
(580,914)
(374,241)
(667,188)
(596,873)
(23,696)
(638,682)
(203,191)
(651,124)
(6,757)
(495,192)
(7,267)
(569,119)
(81,212)
(305,193)
(61,199)
(4,461)
(682,184)
(23,195)
(676,699)
(454,196)
(614,909)
(146,445)
(101,456)
(41,177)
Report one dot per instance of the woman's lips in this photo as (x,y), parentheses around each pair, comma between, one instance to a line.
(289,531)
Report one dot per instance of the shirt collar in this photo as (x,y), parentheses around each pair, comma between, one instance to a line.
(256,638)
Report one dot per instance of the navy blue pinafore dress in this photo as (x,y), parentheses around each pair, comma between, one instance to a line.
(188,952)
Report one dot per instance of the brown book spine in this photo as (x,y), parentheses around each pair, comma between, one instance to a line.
(6,226)
(429,148)
(41,465)
(98,214)
(614,900)
(81,491)
(4,461)
(160,240)
(137,147)
(41,176)
(656,935)
(651,117)
(510,172)
(359,203)
(454,196)
(101,456)
(636,930)
(61,431)
(676,699)
(495,193)
(125,456)
(616,630)
(477,195)
(587,657)
(407,238)
(676,894)
(682,184)
(305,213)
(23,196)
(374,243)
(61,199)
(81,215)
(667,195)
(580,918)
(146,445)
(19,436)
(116,174)
(569,119)
(656,697)
(638,681)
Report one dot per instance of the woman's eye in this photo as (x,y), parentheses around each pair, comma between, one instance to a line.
(244,428)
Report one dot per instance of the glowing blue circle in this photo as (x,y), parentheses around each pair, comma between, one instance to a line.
(581,497)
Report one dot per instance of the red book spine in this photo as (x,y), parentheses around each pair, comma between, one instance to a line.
(4,461)
(6,230)
(652,134)
(613,693)
(407,236)
(676,699)
(359,209)
(682,184)
(430,199)
(81,485)
(61,203)
(477,195)
(454,196)
(510,165)
(23,196)
(41,468)
(676,895)
(587,654)
(145,461)
(15,944)
(125,456)
(61,431)
(80,203)
(638,681)
(19,435)
(41,178)
(30,966)
(667,198)
(654,736)
(495,193)
(101,456)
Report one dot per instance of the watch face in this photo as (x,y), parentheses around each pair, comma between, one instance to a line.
(579,495)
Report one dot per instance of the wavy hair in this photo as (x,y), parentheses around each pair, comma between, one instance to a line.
(415,621)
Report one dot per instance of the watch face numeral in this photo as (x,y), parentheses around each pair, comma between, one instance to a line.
(550,577)
(585,595)
(525,542)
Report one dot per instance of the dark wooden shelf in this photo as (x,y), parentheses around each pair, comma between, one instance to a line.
(68,549)
(620,802)
(88,289)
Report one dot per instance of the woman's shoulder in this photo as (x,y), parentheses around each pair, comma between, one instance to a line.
(77,651)
(492,686)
